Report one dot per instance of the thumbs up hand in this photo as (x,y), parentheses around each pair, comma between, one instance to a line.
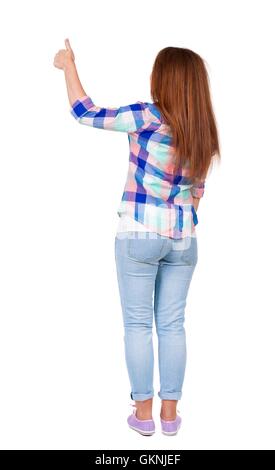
(64,56)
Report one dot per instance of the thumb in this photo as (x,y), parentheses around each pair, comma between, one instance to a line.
(67,44)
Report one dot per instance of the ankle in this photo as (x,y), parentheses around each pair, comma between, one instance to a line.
(144,409)
(168,410)
(168,416)
(143,415)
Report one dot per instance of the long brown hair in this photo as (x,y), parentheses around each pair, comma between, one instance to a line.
(180,89)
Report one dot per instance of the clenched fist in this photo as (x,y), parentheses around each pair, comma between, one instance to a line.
(64,56)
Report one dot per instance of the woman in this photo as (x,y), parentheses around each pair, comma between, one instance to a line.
(172,140)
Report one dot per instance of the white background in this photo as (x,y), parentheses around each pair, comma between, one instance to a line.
(64,383)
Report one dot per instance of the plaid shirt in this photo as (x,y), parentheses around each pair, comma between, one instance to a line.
(152,195)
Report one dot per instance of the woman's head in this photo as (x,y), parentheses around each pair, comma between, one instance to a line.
(180,88)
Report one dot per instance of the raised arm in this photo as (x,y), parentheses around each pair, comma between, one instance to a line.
(65,60)
(127,118)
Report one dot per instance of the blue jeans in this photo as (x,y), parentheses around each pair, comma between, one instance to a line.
(153,279)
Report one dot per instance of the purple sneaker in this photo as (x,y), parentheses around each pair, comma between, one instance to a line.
(170,428)
(146,427)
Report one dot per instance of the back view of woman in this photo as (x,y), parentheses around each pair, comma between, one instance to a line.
(172,142)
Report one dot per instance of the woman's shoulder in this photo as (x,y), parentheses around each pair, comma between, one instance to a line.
(152,108)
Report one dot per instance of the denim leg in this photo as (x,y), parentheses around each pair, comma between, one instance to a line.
(172,284)
(136,281)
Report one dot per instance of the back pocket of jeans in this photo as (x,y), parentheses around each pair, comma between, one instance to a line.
(146,250)
(189,256)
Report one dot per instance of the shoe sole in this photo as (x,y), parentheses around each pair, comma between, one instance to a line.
(143,433)
(170,433)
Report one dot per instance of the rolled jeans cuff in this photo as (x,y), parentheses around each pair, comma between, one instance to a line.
(170,395)
(141,396)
